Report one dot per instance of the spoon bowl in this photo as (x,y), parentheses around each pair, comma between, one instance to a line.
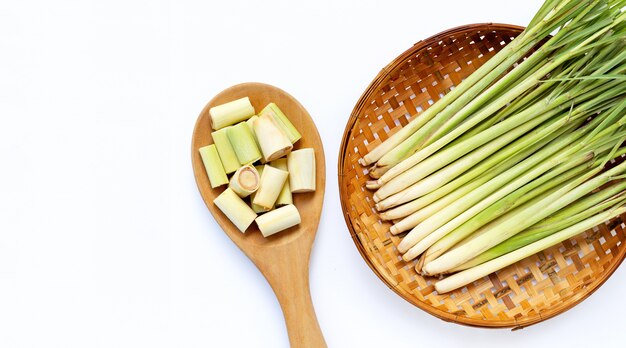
(282,258)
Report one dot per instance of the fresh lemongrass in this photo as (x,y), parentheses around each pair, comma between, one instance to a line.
(274,143)
(230,113)
(533,191)
(520,221)
(245,181)
(285,197)
(213,166)
(272,181)
(225,150)
(278,220)
(537,233)
(257,208)
(301,164)
(235,209)
(465,277)
(283,122)
(483,76)
(244,143)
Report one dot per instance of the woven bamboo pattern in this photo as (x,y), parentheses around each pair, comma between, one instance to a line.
(534,289)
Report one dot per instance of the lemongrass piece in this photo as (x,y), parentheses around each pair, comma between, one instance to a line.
(213,165)
(285,197)
(257,208)
(245,181)
(301,164)
(283,122)
(520,221)
(278,220)
(463,278)
(244,144)
(231,113)
(273,142)
(272,181)
(235,209)
(225,150)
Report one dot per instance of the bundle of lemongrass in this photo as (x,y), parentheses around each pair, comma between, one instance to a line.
(503,165)
(241,139)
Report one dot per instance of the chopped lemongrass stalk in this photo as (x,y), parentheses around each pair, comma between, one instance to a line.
(284,197)
(244,144)
(231,113)
(235,209)
(282,121)
(245,181)
(225,150)
(273,142)
(301,165)
(278,220)
(257,208)
(213,165)
(465,277)
(272,181)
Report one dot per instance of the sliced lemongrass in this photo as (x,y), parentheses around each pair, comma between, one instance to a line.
(231,113)
(225,150)
(272,181)
(465,277)
(257,208)
(244,144)
(278,220)
(213,166)
(273,142)
(235,209)
(285,197)
(283,122)
(301,164)
(245,181)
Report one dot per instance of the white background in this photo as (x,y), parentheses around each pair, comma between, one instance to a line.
(104,239)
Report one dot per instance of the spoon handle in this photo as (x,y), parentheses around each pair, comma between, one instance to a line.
(288,276)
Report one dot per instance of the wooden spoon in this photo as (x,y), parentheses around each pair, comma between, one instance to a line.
(283,258)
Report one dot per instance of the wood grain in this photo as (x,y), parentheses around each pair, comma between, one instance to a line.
(282,258)
(527,292)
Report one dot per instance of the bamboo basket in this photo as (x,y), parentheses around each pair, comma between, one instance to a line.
(532,290)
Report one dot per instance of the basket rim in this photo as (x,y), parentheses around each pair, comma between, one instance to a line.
(515,324)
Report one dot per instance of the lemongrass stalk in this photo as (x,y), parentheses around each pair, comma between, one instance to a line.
(456,116)
(285,197)
(460,279)
(537,233)
(257,208)
(476,176)
(520,221)
(444,238)
(528,169)
(244,143)
(301,164)
(400,177)
(499,202)
(230,113)
(225,150)
(489,106)
(235,209)
(434,180)
(272,181)
(485,75)
(245,181)
(213,166)
(283,122)
(274,143)
(278,220)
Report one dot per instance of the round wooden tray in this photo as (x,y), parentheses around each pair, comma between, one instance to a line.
(532,290)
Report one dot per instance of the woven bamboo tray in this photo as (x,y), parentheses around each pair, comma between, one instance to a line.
(532,290)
